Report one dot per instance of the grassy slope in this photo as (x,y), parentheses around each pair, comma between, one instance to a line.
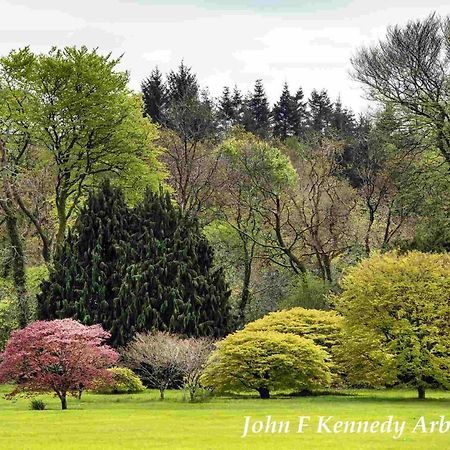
(143,422)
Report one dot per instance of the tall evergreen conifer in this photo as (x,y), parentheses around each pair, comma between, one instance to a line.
(149,268)
(257,112)
(155,96)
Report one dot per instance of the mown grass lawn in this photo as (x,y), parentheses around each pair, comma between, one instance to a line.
(143,422)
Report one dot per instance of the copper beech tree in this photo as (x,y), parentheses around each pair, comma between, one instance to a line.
(62,356)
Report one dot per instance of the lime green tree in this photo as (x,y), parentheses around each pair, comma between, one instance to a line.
(397,313)
(75,105)
(266,361)
(322,327)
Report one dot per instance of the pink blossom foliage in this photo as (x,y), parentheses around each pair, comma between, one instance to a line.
(62,356)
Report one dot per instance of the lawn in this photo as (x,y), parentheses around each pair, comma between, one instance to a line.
(143,422)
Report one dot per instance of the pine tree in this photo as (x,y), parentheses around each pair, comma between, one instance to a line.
(257,112)
(182,84)
(146,268)
(226,110)
(285,115)
(342,120)
(155,96)
(300,119)
(237,105)
(321,111)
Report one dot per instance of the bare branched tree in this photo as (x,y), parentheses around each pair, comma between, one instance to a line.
(409,70)
(156,357)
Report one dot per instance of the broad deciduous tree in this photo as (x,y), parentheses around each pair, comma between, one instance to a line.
(62,356)
(397,311)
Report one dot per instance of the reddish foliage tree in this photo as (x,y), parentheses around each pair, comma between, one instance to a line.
(62,356)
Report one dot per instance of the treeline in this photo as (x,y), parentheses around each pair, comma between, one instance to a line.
(291,115)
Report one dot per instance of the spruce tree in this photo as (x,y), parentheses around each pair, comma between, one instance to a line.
(257,112)
(237,105)
(182,84)
(131,270)
(300,118)
(285,115)
(321,111)
(155,96)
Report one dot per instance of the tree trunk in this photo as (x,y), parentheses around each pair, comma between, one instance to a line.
(161,394)
(17,255)
(421,392)
(369,229)
(46,243)
(263,392)
(245,295)
(62,222)
(327,267)
(18,269)
(63,399)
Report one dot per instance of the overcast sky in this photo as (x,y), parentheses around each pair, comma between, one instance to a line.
(306,43)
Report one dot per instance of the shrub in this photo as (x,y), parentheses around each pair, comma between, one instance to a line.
(37,404)
(195,354)
(397,316)
(165,360)
(123,381)
(266,361)
(156,357)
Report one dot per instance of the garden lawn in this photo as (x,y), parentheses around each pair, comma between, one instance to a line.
(141,421)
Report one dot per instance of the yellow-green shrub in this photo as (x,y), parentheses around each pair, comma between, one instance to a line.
(124,381)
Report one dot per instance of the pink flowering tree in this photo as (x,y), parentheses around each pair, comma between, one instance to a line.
(62,356)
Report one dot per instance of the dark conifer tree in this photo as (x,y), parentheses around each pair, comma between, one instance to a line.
(300,118)
(182,84)
(237,105)
(155,96)
(89,267)
(173,283)
(257,112)
(284,115)
(342,120)
(149,268)
(226,109)
(320,110)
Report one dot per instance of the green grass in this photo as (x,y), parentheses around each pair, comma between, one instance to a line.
(141,421)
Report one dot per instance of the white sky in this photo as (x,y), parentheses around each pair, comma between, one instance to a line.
(304,42)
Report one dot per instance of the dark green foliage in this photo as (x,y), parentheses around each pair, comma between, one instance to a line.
(155,96)
(179,105)
(321,111)
(182,84)
(342,120)
(37,404)
(284,113)
(137,269)
(257,112)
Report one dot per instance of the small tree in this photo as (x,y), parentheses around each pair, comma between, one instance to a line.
(266,361)
(196,352)
(156,357)
(61,356)
(397,315)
